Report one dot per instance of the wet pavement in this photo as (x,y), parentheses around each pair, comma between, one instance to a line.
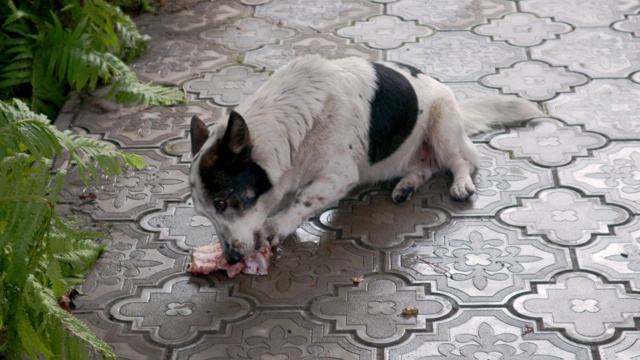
(542,263)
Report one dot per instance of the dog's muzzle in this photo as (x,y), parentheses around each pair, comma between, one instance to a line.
(232,256)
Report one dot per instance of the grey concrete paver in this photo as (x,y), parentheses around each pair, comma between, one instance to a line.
(542,263)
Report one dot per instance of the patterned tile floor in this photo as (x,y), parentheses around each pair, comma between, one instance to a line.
(543,263)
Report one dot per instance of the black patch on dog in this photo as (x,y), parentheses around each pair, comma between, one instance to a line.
(412,69)
(227,171)
(233,178)
(394,112)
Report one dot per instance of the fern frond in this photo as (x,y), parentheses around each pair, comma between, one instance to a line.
(45,298)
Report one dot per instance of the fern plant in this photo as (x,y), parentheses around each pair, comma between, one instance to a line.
(48,47)
(42,256)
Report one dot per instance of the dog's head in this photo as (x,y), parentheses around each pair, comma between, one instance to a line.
(226,184)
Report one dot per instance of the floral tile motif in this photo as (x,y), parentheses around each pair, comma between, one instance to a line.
(307,268)
(171,61)
(373,309)
(583,305)
(457,56)
(377,221)
(606,106)
(248,33)
(144,127)
(212,14)
(499,181)
(582,13)
(227,87)
(627,347)
(616,256)
(487,334)
(179,310)
(612,172)
(522,29)
(450,15)
(478,261)
(182,225)
(384,32)
(631,25)
(125,345)
(564,217)
(600,52)
(534,80)
(548,142)
(131,259)
(276,335)
(124,197)
(320,16)
(274,56)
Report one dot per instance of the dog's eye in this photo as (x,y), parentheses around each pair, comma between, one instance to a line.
(220,204)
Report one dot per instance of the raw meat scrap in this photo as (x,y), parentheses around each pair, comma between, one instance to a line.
(210,258)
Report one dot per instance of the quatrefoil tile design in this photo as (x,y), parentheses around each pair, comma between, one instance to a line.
(600,53)
(612,172)
(478,261)
(564,216)
(384,32)
(534,80)
(585,306)
(487,334)
(179,310)
(248,34)
(617,256)
(609,107)
(227,87)
(522,29)
(582,13)
(450,15)
(548,142)
(373,309)
(327,45)
(457,56)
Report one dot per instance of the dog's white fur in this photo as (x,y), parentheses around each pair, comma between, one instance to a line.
(309,126)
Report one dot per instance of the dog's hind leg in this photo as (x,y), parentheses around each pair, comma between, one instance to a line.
(452,147)
(407,186)
(319,194)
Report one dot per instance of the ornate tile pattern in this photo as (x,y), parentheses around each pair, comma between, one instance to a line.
(273,56)
(522,29)
(541,263)
(487,334)
(548,142)
(450,15)
(616,256)
(373,309)
(564,217)
(534,80)
(477,261)
(582,13)
(384,32)
(611,172)
(600,53)
(583,305)
(457,56)
(180,309)
(227,87)
(606,106)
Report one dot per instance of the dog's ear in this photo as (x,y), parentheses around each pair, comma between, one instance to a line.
(236,137)
(199,134)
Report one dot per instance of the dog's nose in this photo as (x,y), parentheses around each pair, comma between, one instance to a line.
(232,256)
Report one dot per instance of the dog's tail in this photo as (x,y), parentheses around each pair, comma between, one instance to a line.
(481,112)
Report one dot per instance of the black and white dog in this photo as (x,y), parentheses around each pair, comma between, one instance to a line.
(317,128)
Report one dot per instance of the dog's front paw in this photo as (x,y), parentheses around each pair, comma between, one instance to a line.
(462,190)
(270,232)
(401,195)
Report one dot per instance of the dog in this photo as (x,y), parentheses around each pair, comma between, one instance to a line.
(317,128)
